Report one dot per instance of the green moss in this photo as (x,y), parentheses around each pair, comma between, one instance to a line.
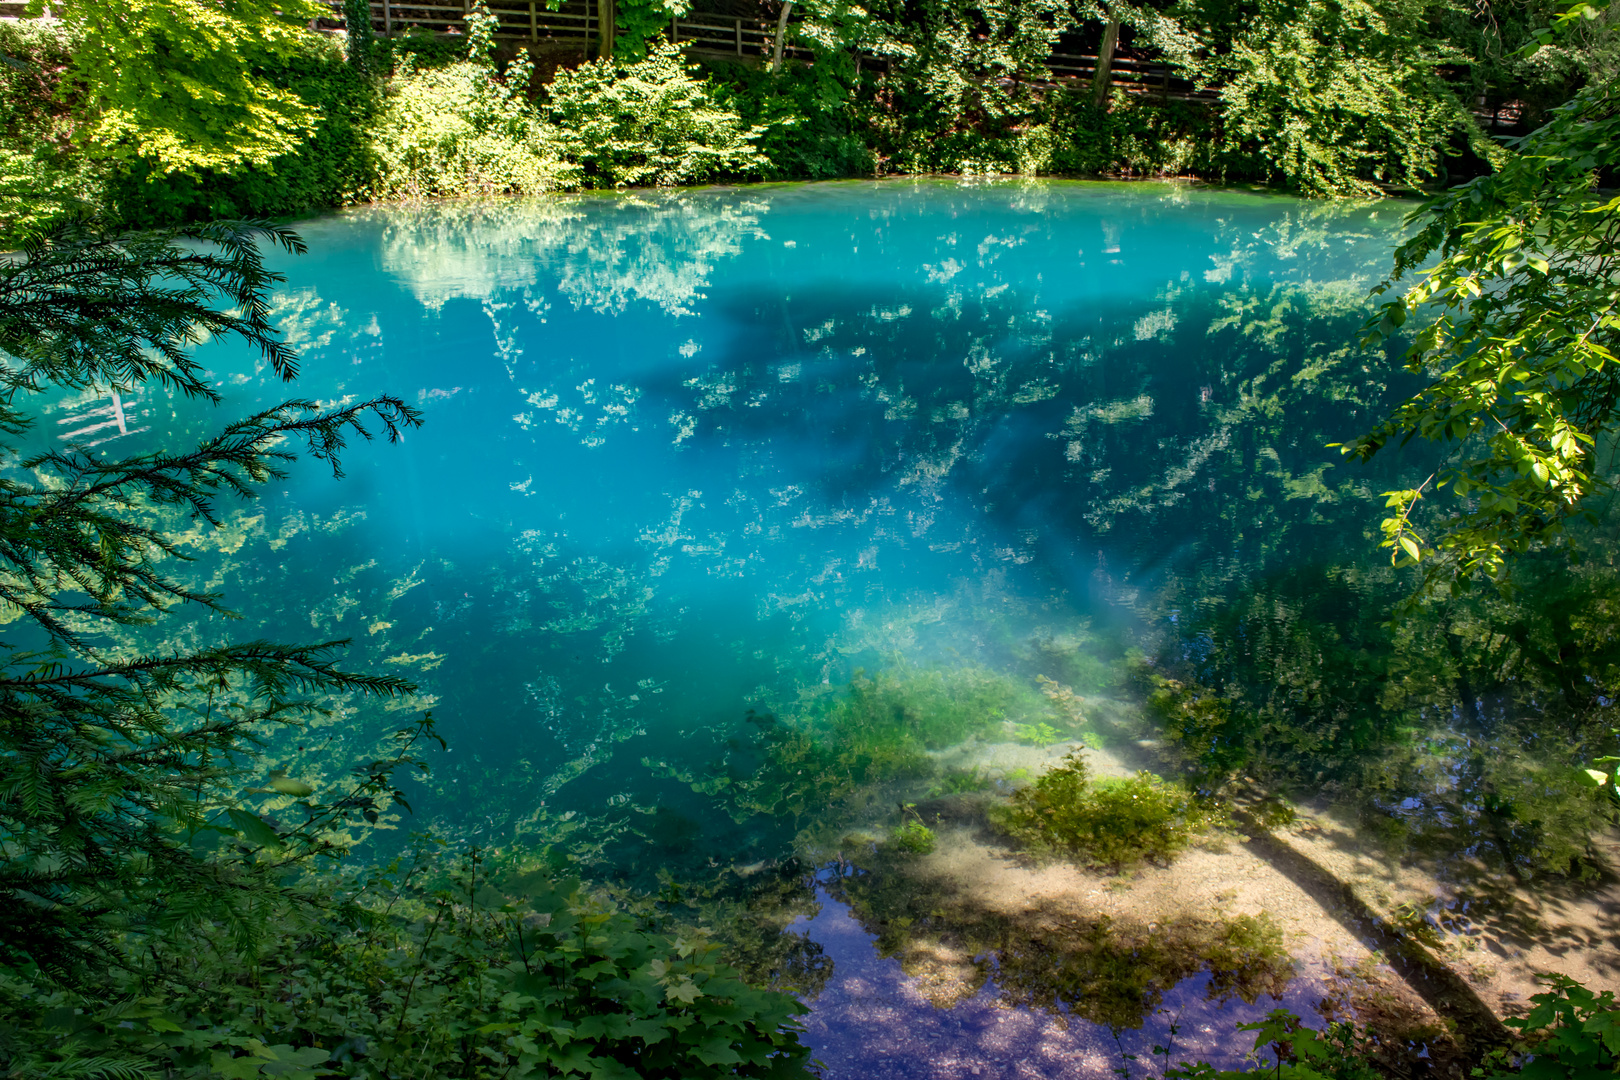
(961,782)
(1106,822)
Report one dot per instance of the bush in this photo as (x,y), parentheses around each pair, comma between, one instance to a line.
(39,178)
(463,129)
(381,977)
(649,123)
(1108,822)
(334,167)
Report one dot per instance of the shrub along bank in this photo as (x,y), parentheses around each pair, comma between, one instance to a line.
(891,89)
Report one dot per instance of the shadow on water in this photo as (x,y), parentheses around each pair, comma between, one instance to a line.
(742,517)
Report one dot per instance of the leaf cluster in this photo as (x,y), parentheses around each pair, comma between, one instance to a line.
(180,84)
(431,963)
(1519,299)
(647,123)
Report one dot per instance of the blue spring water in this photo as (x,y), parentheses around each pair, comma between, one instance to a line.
(693,452)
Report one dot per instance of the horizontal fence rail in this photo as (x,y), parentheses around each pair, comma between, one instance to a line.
(577,23)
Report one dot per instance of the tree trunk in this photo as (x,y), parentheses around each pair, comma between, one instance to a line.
(781,35)
(1100,79)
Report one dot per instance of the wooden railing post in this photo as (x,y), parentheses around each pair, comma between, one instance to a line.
(388,19)
(607,26)
(534,23)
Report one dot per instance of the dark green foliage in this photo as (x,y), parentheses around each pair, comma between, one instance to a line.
(361,44)
(1108,822)
(1570,1032)
(332,167)
(1139,136)
(1340,1052)
(807,115)
(426,965)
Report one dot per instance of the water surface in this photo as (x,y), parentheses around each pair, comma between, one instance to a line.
(694,457)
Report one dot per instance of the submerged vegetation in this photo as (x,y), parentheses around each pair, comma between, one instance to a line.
(161,872)
(1109,822)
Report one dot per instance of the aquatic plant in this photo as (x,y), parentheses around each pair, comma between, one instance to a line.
(911,835)
(961,782)
(1040,734)
(1111,822)
(878,731)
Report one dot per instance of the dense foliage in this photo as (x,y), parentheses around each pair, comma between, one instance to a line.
(1520,333)
(650,123)
(180,85)
(462,129)
(245,111)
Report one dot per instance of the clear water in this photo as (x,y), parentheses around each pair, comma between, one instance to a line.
(693,454)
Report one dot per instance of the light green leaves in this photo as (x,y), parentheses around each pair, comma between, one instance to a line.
(649,122)
(176,83)
(1519,346)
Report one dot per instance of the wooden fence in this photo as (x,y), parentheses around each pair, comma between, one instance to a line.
(576,23)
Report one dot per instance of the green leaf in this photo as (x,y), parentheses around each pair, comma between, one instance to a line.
(1409,546)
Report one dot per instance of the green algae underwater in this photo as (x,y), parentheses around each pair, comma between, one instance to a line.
(941,592)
